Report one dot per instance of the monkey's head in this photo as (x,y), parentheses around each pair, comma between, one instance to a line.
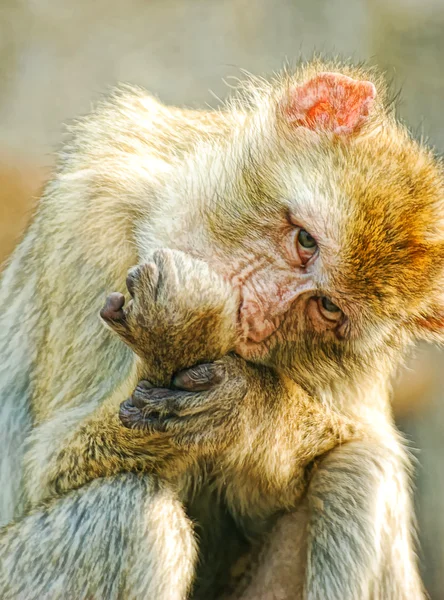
(332,226)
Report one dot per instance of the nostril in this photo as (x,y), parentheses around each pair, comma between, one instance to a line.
(254,323)
(261,316)
(259,331)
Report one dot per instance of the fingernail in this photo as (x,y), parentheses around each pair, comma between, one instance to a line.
(199,378)
(145,384)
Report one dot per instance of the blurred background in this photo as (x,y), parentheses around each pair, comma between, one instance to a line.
(58,56)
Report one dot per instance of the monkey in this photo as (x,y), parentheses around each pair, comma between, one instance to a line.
(324,214)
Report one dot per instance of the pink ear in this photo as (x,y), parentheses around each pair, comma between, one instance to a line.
(330,102)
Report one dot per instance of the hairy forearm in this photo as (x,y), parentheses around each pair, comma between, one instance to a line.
(51,441)
(100,446)
(102,541)
(350,537)
(359,504)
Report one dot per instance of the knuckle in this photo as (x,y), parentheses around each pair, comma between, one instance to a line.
(144,384)
(143,396)
(139,398)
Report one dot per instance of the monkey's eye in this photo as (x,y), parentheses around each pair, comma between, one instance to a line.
(306,240)
(306,245)
(329,310)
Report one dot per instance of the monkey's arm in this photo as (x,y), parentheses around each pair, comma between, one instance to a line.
(169,431)
(351,536)
(244,416)
(230,410)
(105,540)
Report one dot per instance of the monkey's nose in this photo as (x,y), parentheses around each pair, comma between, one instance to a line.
(264,305)
(258,331)
(255,324)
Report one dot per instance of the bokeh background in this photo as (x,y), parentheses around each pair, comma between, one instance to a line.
(58,56)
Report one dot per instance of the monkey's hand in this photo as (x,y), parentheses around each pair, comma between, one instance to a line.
(202,409)
(181,313)
(158,430)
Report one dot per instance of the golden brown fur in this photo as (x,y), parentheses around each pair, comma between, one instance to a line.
(136,177)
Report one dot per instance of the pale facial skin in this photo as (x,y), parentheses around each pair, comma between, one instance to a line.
(267,298)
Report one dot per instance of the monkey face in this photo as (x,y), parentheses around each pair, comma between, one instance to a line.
(332,240)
